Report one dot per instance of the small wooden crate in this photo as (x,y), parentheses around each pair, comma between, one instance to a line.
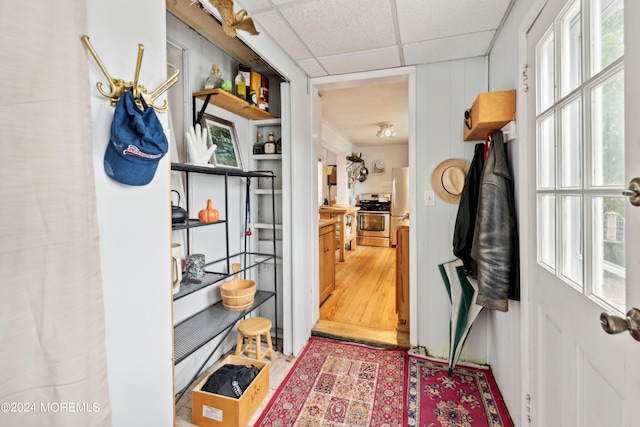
(213,410)
(490,111)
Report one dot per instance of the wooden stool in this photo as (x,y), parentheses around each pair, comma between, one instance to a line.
(253,328)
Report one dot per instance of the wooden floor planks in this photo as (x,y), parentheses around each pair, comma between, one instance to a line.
(362,307)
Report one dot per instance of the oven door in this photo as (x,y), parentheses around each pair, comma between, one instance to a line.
(373,228)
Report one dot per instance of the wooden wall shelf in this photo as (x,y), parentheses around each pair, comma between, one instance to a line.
(490,111)
(229,102)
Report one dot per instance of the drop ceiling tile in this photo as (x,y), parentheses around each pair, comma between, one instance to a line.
(312,68)
(466,46)
(433,19)
(282,34)
(332,27)
(252,5)
(375,59)
(281,2)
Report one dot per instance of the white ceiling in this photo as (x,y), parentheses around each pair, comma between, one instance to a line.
(332,37)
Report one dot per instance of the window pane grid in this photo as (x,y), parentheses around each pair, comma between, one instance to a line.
(608,250)
(607,130)
(571,30)
(580,223)
(571,150)
(546,152)
(545,71)
(607,27)
(571,240)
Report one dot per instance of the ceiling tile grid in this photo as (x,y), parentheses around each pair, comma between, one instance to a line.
(312,68)
(333,27)
(338,36)
(448,49)
(333,37)
(421,20)
(375,59)
(273,23)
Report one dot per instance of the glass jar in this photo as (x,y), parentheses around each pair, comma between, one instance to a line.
(258,147)
(214,80)
(270,145)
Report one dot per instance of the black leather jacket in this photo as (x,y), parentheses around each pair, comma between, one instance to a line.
(467,213)
(495,241)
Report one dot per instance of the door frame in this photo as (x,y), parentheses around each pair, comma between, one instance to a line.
(527,258)
(352,79)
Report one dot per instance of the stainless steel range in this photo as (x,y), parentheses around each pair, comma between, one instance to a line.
(373,225)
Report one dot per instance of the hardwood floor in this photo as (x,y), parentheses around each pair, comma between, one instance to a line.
(362,307)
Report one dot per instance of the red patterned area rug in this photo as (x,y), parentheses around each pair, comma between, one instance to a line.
(469,397)
(335,384)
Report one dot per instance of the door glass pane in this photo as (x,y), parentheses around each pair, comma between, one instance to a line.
(571,142)
(608,32)
(546,153)
(571,241)
(547,230)
(546,65)
(571,48)
(608,250)
(607,118)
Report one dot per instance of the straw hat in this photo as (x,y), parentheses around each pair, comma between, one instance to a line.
(448,179)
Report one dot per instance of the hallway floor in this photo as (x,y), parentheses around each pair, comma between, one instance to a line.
(362,307)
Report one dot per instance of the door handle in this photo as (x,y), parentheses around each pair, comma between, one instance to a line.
(633,192)
(615,324)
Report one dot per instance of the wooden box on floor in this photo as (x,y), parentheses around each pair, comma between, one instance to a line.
(213,410)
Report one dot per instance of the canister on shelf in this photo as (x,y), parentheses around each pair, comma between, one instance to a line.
(258,147)
(270,145)
(214,80)
(241,85)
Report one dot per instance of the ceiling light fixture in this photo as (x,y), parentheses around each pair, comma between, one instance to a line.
(386,130)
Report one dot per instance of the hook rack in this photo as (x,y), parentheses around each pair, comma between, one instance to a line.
(119,86)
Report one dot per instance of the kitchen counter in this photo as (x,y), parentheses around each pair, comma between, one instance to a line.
(345,217)
(325,222)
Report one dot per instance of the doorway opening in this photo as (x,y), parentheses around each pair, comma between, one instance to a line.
(363,307)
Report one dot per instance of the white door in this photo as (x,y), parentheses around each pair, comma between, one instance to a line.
(581,238)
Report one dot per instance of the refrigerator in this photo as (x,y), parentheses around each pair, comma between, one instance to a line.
(399,201)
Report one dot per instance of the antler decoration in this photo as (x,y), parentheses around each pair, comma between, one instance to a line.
(234,21)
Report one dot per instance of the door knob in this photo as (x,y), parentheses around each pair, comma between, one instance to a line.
(615,324)
(633,192)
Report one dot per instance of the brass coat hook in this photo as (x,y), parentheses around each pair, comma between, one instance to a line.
(119,86)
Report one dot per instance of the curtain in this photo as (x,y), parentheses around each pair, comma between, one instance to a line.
(52,330)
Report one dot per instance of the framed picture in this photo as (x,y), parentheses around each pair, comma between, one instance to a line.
(222,133)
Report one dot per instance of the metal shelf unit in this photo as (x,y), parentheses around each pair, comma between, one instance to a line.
(202,327)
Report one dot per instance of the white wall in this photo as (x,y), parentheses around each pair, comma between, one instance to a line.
(505,330)
(394,156)
(337,148)
(444,91)
(134,226)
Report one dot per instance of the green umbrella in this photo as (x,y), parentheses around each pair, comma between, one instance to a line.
(462,292)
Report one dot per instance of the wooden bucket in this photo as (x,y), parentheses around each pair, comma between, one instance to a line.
(237,294)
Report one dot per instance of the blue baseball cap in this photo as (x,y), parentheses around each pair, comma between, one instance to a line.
(137,143)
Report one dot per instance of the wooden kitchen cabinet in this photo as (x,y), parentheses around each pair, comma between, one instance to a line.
(327,253)
(402,279)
